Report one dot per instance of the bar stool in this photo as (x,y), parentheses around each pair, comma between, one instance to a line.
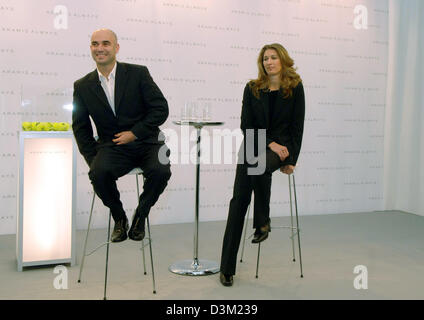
(294,230)
(136,172)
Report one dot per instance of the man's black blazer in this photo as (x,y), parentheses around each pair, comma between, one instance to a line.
(284,126)
(139,105)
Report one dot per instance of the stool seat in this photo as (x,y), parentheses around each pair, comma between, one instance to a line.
(136,171)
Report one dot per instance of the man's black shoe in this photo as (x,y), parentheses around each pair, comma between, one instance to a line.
(226,279)
(137,232)
(120,230)
(261,234)
(259,237)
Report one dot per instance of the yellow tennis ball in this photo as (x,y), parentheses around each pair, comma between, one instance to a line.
(49,126)
(64,126)
(56,126)
(41,126)
(26,126)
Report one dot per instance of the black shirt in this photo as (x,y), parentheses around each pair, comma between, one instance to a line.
(272,97)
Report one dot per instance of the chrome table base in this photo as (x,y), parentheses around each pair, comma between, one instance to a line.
(195,267)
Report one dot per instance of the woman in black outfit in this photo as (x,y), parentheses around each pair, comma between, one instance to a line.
(275,101)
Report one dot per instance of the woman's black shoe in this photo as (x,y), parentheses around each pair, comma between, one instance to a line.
(261,234)
(226,279)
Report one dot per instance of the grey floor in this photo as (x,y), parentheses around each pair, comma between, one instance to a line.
(390,244)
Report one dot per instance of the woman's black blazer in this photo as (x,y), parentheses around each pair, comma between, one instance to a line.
(284,126)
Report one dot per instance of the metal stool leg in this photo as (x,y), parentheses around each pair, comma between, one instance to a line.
(142,242)
(257,261)
(151,255)
(244,233)
(107,254)
(150,244)
(144,256)
(297,228)
(291,218)
(86,238)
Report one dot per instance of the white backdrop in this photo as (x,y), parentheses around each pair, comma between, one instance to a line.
(204,50)
(404,146)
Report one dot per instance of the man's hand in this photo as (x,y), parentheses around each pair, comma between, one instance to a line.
(280,150)
(124,137)
(287,169)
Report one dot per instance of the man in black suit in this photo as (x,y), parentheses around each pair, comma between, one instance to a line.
(127,108)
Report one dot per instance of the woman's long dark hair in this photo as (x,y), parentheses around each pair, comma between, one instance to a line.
(289,77)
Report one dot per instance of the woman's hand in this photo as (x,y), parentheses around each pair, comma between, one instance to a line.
(280,150)
(287,169)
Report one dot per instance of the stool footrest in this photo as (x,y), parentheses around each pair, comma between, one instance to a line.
(285,227)
(97,248)
(148,242)
(294,235)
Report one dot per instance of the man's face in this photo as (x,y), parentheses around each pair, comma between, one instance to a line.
(104,47)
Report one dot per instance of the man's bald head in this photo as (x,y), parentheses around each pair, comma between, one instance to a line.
(104,47)
(104,30)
